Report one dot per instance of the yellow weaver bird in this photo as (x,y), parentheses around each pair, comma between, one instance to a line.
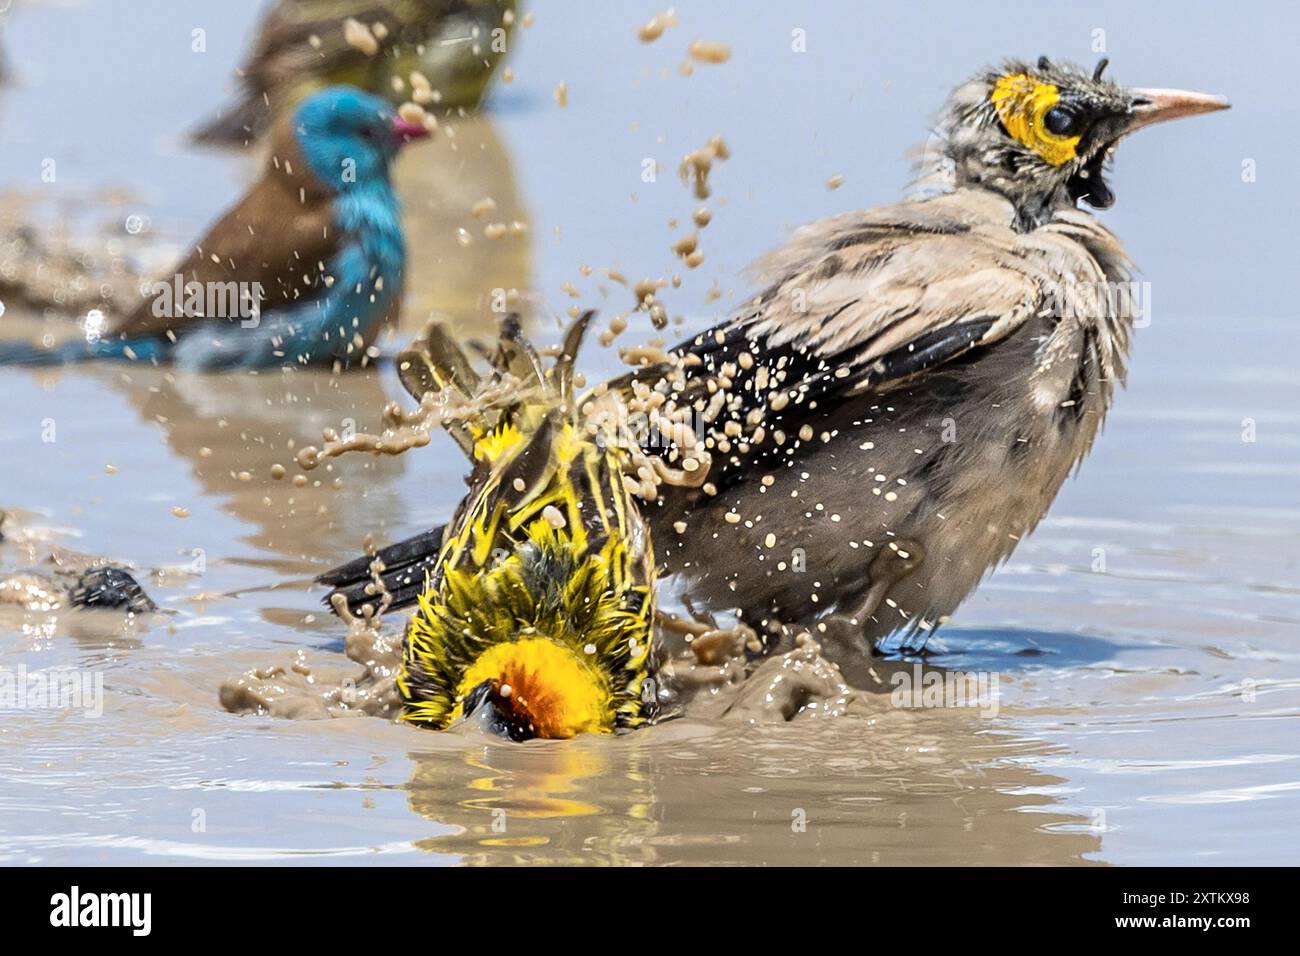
(536,616)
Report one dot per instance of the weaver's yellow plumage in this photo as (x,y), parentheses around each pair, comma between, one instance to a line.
(541,602)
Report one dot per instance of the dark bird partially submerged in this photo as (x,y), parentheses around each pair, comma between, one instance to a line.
(107,586)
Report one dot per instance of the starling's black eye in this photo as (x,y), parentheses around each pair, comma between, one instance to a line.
(1063,121)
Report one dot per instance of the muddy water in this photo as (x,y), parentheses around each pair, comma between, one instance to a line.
(1144,640)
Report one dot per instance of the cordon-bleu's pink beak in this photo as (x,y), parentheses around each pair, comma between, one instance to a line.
(405,131)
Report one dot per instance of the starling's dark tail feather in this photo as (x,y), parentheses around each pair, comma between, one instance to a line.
(21,353)
(236,125)
(405,565)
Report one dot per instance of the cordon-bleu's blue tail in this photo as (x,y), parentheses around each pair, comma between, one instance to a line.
(66,353)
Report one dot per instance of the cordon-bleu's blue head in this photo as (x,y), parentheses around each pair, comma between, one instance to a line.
(348,137)
(335,148)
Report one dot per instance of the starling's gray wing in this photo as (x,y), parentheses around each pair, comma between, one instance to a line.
(864,301)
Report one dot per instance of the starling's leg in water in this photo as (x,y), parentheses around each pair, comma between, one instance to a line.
(892,564)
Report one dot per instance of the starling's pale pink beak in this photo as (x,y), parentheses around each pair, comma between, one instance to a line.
(1156,106)
(404,131)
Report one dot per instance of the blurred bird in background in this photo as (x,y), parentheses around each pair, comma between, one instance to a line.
(536,616)
(304,270)
(901,401)
(376,45)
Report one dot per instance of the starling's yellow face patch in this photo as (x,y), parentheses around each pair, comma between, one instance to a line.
(1022,102)
(546,685)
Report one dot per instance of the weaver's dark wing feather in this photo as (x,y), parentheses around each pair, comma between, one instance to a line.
(492,499)
(516,355)
(405,565)
(434,361)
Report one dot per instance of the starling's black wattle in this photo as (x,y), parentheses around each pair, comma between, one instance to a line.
(1090,184)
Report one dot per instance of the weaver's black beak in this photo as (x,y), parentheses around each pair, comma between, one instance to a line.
(488,710)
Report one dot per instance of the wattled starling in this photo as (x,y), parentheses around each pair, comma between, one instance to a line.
(898,405)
